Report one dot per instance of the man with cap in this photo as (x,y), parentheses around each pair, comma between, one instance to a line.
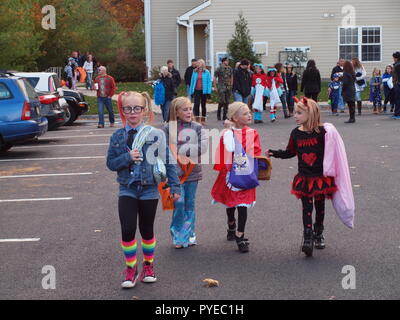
(223,80)
(242,82)
(396,84)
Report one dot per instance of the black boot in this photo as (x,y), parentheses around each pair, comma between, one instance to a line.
(230,236)
(308,243)
(359,105)
(352,111)
(319,240)
(242,244)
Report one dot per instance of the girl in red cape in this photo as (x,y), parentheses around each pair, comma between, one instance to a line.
(239,117)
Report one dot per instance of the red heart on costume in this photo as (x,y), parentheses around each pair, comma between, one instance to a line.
(309,158)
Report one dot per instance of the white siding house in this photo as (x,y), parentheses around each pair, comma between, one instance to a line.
(184,29)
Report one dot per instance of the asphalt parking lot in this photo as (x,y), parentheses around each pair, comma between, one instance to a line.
(58,207)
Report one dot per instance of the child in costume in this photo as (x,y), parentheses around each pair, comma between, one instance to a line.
(258,84)
(375,90)
(334,93)
(187,141)
(323,172)
(138,193)
(387,89)
(273,91)
(236,132)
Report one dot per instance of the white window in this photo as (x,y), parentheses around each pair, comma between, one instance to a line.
(364,42)
(260,48)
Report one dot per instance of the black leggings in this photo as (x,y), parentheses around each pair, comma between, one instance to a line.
(129,210)
(242,217)
(319,203)
(199,97)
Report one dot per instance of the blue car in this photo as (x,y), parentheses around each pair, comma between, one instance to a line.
(20,118)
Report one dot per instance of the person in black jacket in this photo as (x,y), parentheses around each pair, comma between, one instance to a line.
(188,77)
(311,81)
(291,80)
(349,89)
(242,82)
(168,82)
(396,85)
(176,77)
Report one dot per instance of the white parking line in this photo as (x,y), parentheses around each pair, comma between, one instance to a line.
(20,240)
(78,136)
(45,159)
(61,145)
(38,199)
(47,175)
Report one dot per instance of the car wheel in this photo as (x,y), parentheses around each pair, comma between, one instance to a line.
(70,116)
(4,147)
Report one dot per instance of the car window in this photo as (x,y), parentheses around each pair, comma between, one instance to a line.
(27,89)
(33,81)
(56,82)
(5,93)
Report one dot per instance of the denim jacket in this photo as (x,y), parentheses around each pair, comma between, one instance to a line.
(119,159)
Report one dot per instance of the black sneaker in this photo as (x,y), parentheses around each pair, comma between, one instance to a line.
(242,243)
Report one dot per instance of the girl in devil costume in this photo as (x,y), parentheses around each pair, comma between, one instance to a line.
(322,162)
(273,90)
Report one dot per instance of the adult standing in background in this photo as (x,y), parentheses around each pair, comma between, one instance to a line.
(105,86)
(167,80)
(223,81)
(291,80)
(200,88)
(396,85)
(188,77)
(176,77)
(88,66)
(349,89)
(311,81)
(339,71)
(360,81)
(242,82)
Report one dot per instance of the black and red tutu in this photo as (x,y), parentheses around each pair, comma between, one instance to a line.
(311,187)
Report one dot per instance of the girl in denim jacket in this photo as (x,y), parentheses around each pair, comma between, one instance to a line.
(138,193)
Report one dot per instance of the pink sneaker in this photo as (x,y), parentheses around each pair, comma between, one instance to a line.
(148,275)
(131,276)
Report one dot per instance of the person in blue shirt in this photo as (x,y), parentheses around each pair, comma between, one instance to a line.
(138,189)
(334,93)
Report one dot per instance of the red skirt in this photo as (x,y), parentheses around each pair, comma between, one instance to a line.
(221,193)
(313,186)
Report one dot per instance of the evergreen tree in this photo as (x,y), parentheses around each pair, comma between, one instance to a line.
(241,45)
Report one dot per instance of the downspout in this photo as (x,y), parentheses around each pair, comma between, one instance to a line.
(148,37)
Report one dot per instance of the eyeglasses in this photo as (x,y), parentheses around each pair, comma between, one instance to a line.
(134,109)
